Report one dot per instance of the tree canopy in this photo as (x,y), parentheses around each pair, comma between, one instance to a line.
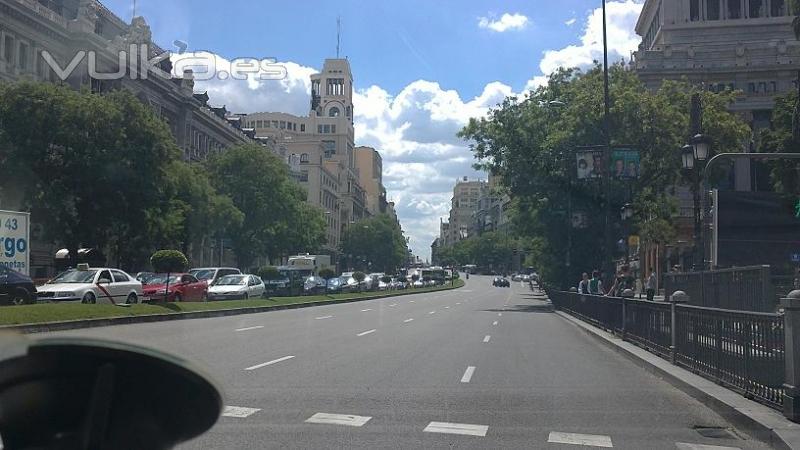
(375,244)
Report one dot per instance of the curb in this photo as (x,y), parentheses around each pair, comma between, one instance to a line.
(757,420)
(46,327)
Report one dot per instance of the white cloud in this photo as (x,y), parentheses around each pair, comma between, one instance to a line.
(570,22)
(506,22)
(622,40)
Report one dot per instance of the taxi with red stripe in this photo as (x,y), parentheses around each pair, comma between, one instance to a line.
(92,285)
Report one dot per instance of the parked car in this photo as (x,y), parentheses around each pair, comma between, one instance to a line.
(335,285)
(516,277)
(501,282)
(314,285)
(212,274)
(418,284)
(182,287)
(348,283)
(399,285)
(385,285)
(144,277)
(16,288)
(235,287)
(92,285)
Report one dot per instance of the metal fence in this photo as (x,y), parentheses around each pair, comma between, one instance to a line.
(739,288)
(741,350)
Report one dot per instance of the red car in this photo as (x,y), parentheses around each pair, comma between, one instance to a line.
(183,287)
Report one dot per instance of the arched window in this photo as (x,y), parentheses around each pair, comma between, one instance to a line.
(334,112)
(304,158)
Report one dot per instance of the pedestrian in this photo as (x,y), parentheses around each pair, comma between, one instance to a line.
(651,285)
(622,282)
(596,284)
(583,285)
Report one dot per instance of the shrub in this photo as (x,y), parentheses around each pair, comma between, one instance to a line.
(169,261)
(359,276)
(386,279)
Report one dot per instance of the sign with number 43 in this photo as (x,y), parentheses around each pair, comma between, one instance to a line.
(15,238)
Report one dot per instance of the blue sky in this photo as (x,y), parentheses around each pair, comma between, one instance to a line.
(421,69)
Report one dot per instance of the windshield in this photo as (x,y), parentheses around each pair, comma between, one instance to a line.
(203,274)
(75,276)
(231,280)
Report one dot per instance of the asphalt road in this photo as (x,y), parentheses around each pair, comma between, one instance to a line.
(479,367)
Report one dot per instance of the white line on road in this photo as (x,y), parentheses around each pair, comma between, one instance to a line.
(594,440)
(494,323)
(269,363)
(393,305)
(408,320)
(446,307)
(468,374)
(486,339)
(432,312)
(457,428)
(338,419)
(324,317)
(239,412)
(366,333)
(499,314)
(457,303)
(365,310)
(685,446)
(412,301)
(250,328)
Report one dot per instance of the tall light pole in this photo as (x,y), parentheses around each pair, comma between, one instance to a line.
(607,154)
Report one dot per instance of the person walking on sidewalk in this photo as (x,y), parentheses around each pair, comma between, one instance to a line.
(583,285)
(650,286)
(596,284)
(623,282)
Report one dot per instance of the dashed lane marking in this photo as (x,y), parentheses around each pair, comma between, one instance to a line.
(685,446)
(240,412)
(494,323)
(432,312)
(269,363)
(468,374)
(457,428)
(393,305)
(592,440)
(250,328)
(339,419)
(486,339)
(365,310)
(324,317)
(408,320)
(499,314)
(446,307)
(366,332)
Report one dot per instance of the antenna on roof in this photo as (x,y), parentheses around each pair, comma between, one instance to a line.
(338,34)
(134,8)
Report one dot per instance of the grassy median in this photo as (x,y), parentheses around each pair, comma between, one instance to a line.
(58,312)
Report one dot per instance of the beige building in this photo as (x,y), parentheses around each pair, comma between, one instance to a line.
(370,176)
(464,205)
(319,148)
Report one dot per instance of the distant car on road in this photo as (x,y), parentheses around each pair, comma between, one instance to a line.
(16,288)
(92,285)
(212,274)
(236,287)
(501,282)
(182,287)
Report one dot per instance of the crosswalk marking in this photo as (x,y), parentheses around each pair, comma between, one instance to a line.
(468,374)
(486,339)
(339,419)
(240,412)
(457,428)
(593,440)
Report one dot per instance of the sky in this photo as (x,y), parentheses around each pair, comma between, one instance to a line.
(421,69)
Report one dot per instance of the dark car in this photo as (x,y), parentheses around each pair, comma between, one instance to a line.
(501,282)
(16,288)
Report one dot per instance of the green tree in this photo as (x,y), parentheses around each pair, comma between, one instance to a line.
(169,261)
(530,144)
(376,242)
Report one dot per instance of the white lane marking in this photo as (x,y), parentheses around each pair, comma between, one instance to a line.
(594,440)
(366,333)
(323,317)
(494,323)
(338,419)
(365,310)
(432,312)
(499,314)
(249,328)
(685,446)
(393,305)
(412,301)
(468,374)
(239,411)
(457,428)
(269,363)
(467,290)
(408,320)
(457,303)
(446,307)
(486,339)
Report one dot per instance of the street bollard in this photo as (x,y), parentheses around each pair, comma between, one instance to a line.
(791,386)
(676,298)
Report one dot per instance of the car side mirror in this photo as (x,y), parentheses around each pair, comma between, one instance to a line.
(118,395)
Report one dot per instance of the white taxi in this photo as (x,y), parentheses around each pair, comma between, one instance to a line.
(92,285)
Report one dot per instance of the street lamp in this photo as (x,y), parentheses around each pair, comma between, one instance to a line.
(626,212)
(693,158)
(687,157)
(701,145)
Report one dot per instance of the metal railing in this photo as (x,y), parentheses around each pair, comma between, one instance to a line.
(744,351)
(739,288)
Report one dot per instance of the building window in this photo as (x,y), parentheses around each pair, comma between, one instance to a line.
(8,49)
(751,88)
(326,129)
(304,158)
(302,128)
(259,124)
(773,87)
(777,8)
(303,176)
(348,111)
(734,10)
(329,147)
(762,87)
(713,10)
(333,112)
(319,129)
(23,56)
(283,125)
(694,10)
(274,124)
(333,129)
(758,8)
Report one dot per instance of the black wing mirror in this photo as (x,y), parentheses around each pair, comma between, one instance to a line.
(72,393)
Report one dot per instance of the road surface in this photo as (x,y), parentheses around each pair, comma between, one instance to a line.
(479,367)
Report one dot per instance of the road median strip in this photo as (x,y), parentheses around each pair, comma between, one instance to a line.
(68,316)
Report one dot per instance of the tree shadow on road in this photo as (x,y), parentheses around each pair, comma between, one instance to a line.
(543,308)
